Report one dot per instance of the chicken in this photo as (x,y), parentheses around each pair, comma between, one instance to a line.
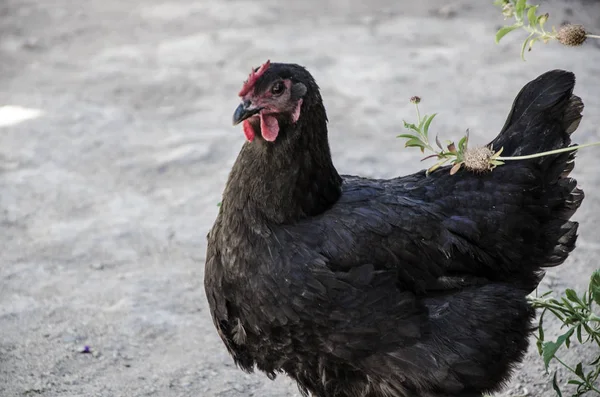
(412,286)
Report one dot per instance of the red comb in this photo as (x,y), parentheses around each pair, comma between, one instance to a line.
(248,84)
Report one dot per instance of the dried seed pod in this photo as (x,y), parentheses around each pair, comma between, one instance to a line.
(478,159)
(572,35)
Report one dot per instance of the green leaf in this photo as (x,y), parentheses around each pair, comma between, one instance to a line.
(532,42)
(407,136)
(593,317)
(427,123)
(579,371)
(533,20)
(595,286)
(520,8)
(540,333)
(567,304)
(590,376)
(572,295)
(462,144)
(538,344)
(549,349)
(579,338)
(219,204)
(555,386)
(541,20)
(503,31)
(410,126)
(525,46)
(414,143)
(421,121)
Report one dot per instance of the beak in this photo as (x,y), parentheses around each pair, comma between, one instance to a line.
(244,111)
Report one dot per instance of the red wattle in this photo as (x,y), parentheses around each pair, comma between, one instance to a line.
(269,127)
(248,130)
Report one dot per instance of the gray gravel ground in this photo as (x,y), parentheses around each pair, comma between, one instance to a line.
(107,196)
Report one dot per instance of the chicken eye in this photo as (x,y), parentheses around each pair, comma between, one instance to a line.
(277,88)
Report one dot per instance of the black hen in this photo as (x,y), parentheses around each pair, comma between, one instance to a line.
(413,286)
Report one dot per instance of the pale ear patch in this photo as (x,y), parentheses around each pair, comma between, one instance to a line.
(296,112)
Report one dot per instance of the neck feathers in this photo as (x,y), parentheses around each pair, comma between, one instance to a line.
(286,180)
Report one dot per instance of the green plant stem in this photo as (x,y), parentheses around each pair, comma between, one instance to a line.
(557,151)
(588,384)
(425,139)
(565,365)
(549,306)
(543,34)
(542,304)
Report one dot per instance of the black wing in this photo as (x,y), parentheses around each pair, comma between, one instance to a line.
(503,226)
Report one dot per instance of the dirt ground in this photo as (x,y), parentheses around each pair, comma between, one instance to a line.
(110,175)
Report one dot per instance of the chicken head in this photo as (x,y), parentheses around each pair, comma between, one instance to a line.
(271,96)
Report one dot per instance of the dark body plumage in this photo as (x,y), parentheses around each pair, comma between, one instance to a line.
(413,286)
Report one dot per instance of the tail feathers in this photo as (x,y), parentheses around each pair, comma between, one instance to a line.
(566,234)
(561,233)
(569,164)
(573,197)
(543,116)
(572,114)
